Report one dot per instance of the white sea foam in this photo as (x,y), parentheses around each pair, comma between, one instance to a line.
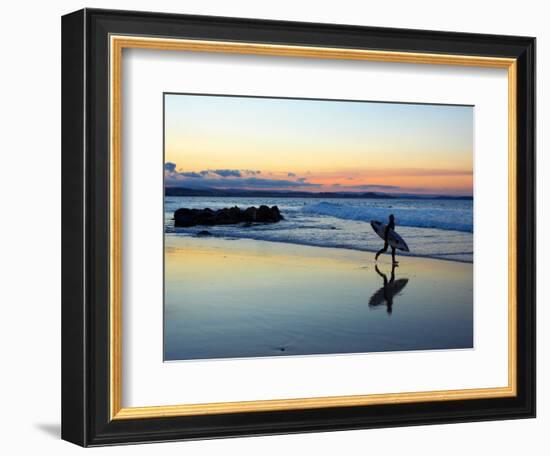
(432,228)
(455,218)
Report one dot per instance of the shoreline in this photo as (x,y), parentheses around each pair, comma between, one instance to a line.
(399,254)
(243,298)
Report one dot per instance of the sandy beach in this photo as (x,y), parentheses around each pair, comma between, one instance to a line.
(227,298)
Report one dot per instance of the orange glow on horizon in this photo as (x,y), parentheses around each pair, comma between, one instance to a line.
(320,146)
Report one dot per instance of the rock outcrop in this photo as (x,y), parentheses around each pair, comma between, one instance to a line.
(185,217)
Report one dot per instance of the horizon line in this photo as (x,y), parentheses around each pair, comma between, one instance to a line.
(324,192)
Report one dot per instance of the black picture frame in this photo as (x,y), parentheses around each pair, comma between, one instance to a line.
(85,224)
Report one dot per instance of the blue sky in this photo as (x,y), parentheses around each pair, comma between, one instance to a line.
(317,144)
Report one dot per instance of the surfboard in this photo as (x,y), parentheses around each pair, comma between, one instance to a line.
(392,289)
(393,238)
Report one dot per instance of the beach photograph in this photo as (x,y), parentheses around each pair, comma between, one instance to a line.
(297,227)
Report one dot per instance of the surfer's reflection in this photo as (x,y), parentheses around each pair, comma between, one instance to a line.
(386,294)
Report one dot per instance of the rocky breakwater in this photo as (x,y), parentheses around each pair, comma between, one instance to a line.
(185,217)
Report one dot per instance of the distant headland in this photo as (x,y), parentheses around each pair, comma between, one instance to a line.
(215,192)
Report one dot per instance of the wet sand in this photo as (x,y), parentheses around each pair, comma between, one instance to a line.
(240,298)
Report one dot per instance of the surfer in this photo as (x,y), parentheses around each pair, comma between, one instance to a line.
(390,227)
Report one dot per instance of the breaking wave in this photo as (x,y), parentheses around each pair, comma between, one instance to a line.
(454,219)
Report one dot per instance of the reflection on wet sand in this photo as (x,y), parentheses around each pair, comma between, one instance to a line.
(244,298)
(390,288)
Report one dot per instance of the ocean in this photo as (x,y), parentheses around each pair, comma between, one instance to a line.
(434,228)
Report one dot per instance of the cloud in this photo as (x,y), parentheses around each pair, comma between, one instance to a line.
(229,178)
(191,174)
(170,167)
(291,175)
(423,172)
(183,180)
(375,186)
(255,182)
(226,172)
(365,187)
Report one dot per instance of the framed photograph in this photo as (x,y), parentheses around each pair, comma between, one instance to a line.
(279,227)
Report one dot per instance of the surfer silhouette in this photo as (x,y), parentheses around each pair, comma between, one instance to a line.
(389,228)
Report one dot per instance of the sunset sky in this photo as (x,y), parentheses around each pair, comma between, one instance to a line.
(317,145)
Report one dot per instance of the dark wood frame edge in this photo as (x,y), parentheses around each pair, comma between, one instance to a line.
(85,211)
